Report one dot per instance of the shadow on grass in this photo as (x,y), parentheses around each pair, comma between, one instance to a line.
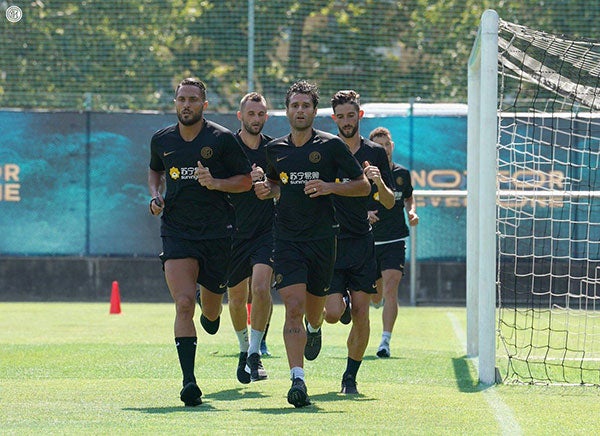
(464,380)
(237,354)
(382,358)
(314,407)
(233,394)
(178,409)
(227,395)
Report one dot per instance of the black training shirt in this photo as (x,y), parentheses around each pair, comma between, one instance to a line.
(351,212)
(392,222)
(299,217)
(191,210)
(253,217)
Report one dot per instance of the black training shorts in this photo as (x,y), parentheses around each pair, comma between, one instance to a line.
(390,256)
(213,256)
(309,262)
(355,266)
(246,253)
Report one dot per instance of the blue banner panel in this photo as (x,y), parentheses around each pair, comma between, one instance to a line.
(43,183)
(120,152)
(75,183)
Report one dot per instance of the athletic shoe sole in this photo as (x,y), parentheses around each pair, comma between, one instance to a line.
(349,385)
(191,395)
(297,395)
(243,376)
(259,372)
(383,353)
(313,344)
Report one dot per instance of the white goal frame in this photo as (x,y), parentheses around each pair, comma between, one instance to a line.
(481,197)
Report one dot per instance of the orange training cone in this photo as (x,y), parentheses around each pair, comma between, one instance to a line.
(115,299)
(248,310)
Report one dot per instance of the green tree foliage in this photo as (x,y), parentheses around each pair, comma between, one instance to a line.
(129,54)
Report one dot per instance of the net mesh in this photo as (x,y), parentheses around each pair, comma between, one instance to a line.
(548,206)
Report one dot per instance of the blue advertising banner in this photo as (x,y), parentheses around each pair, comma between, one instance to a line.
(74,183)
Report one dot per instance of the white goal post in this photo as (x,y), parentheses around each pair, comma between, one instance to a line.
(533,215)
(481,197)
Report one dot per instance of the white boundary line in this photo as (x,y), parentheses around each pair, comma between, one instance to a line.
(504,415)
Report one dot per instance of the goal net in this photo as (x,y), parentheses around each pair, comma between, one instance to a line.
(547,207)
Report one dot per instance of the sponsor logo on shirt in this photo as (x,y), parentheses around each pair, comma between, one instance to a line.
(298,177)
(185,173)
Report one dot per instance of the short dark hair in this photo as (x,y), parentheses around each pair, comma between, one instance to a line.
(303,87)
(380,131)
(252,96)
(192,81)
(346,96)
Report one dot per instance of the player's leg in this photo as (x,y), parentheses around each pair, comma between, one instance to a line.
(180,275)
(320,273)
(294,339)
(334,306)
(291,273)
(212,305)
(237,297)
(391,258)
(264,349)
(358,339)
(259,316)
(294,334)
(315,307)
(261,302)
(377,300)
(391,282)
(361,281)
(213,277)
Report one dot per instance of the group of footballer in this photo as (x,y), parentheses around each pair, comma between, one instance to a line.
(319,217)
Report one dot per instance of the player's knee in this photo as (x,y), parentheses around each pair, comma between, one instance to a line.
(331,317)
(293,310)
(261,293)
(237,299)
(185,304)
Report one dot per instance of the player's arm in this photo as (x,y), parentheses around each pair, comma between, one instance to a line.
(156,183)
(267,189)
(411,210)
(234,184)
(358,187)
(386,195)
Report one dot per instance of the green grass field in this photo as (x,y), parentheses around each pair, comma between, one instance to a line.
(75,369)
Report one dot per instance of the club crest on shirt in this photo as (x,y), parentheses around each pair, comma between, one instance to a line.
(174,173)
(399,181)
(283,177)
(314,157)
(206,152)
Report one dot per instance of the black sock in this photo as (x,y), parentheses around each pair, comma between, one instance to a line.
(352,366)
(186,350)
